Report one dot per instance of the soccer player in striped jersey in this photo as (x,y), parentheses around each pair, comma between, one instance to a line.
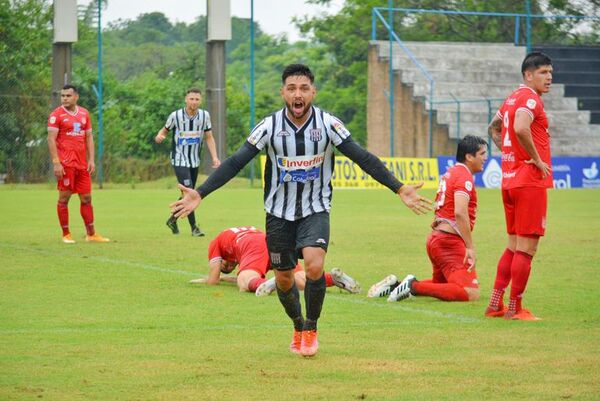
(299,141)
(191,126)
(71,147)
(247,247)
(450,244)
(520,130)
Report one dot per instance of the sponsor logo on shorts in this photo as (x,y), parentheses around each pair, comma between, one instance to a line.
(275,257)
(321,241)
(66,182)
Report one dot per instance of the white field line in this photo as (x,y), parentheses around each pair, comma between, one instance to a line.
(345,298)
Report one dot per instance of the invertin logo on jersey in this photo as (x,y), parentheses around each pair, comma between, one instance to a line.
(189,137)
(300,162)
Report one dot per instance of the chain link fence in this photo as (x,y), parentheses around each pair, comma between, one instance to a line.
(24,156)
(23,147)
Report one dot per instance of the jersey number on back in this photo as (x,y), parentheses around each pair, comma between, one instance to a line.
(506,142)
(441,194)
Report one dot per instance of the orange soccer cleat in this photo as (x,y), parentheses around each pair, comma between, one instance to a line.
(310,343)
(96,238)
(500,312)
(67,239)
(296,344)
(523,314)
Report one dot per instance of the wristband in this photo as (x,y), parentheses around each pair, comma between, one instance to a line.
(56,160)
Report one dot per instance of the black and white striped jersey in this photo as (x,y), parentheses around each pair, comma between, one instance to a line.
(188,133)
(300,162)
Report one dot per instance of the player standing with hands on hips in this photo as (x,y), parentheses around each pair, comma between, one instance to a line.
(191,125)
(71,147)
(520,130)
(299,141)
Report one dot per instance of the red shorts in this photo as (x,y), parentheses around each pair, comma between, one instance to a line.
(525,210)
(447,252)
(75,180)
(255,256)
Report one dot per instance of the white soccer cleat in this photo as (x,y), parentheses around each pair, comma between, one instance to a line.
(384,287)
(266,288)
(344,281)
(402,292)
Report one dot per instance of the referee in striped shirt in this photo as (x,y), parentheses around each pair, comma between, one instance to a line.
(299,141)
(190,126)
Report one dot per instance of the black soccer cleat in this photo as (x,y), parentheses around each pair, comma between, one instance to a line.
(197,232)
(172,224)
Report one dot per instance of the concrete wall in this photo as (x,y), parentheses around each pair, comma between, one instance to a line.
(411,120)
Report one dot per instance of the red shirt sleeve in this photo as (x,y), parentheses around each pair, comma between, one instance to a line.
(214,250)
(53,120)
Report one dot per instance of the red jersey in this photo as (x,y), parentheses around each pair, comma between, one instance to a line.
(228,245)
(515,172)
(71,140)
(457,180)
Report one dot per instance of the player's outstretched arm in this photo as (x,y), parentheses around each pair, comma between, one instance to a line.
(376,169)
(415,202)
(189,201)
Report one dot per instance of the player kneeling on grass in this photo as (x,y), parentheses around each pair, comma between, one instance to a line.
(247,247)
(450,244)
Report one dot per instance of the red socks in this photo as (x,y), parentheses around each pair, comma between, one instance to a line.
(503,276)
(520,269)
(255,282)
(87,213)
(62,210)
(443,291)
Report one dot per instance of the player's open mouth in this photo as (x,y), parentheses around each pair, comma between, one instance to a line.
(297,107)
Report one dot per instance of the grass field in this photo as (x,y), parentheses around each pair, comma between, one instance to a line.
(119,321)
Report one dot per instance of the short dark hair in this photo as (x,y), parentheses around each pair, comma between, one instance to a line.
(535,60)
(193,90)
(69,86)
(469,145)
(297,69)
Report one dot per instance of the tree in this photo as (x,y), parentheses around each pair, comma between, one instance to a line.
(24,87)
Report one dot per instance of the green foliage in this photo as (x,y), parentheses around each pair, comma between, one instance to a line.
(149,62)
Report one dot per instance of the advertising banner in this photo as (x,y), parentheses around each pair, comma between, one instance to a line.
(568,172)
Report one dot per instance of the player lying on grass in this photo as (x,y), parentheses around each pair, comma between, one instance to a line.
(450,244)
(247,247)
